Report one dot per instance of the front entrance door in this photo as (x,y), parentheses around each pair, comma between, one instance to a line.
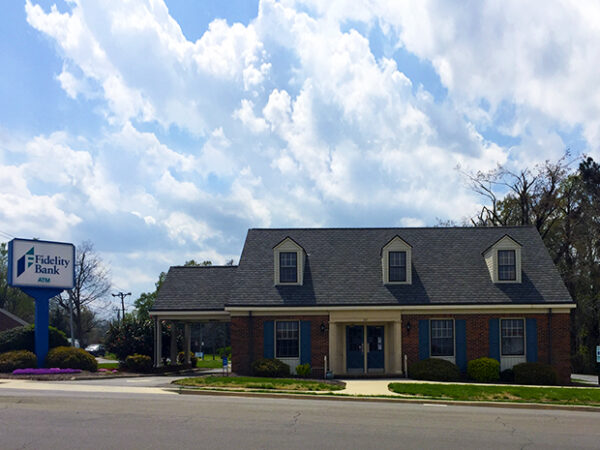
(375,358)
(355,357)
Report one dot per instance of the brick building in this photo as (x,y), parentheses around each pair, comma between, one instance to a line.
(371,301)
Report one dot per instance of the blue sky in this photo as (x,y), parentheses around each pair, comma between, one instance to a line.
(162,131)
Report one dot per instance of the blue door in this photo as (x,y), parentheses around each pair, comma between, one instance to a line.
(355,357)
(375,349)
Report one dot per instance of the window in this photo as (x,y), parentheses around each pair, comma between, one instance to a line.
(397,266)
(512,337)
(286,340)
(288,269)
(442,337)
(507,266)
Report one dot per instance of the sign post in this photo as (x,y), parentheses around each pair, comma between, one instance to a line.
(42,270)
(598,361)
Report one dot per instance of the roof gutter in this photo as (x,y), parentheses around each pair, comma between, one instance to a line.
(544,306)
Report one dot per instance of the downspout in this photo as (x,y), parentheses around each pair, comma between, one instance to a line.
(250,340)
(550,336)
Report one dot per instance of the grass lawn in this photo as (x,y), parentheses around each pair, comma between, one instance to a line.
(520,394)
(209,363)
(285,384)
(108,365)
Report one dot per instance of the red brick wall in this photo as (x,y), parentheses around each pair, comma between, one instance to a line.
(478,339)
(247,341)
(6,323)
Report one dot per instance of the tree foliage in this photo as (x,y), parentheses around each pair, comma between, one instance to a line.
(563,203)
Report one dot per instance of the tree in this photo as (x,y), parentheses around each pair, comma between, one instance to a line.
(12,299)
(92,285)
(145,301)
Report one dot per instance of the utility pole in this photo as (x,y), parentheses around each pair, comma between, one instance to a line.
(122,295)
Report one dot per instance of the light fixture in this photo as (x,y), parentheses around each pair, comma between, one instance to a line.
(408,327)
(323,327)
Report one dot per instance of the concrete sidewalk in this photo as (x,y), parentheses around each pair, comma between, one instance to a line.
(377,386)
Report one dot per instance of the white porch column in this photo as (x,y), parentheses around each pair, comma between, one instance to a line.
(157,342)
(397,336)
(335,354)
(187,339)
(173,342)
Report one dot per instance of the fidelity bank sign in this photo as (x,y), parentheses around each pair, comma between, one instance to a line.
(41,264)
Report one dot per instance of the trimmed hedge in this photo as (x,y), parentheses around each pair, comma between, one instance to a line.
(71,358)
(434,369)
(508,376)
(535,373)
(193,359)
(138,363)
(270,367)
(17,359)
(23,338)
(303,370)
(484,370)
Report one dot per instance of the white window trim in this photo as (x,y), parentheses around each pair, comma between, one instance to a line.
(397,244)
(524,355)
(288,245)
(449,358)
(286,358)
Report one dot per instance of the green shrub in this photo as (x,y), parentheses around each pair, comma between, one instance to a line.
(508,376)
(23,338)
(138,363)
(303,370)
(224,352)
(535,373)
(17,359)
(434,369)
(71,358)
(484,370)
(270,367)
(181,359)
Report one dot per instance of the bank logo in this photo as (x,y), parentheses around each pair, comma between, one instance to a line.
(25,262)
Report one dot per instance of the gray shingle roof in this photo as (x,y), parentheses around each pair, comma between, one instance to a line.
(343,267)
(195,288)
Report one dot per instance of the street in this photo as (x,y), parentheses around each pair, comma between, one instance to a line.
(45,419)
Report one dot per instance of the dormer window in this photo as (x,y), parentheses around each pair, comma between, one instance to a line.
(507,265)
(397,266)
(396,262)
(503,260)
(288,267)
(288,262)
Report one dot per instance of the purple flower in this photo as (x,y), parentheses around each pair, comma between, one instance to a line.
(52,371)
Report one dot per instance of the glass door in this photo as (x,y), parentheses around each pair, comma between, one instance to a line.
(375,348)
(355,357)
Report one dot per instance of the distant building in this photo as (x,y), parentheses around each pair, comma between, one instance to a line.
(375,300)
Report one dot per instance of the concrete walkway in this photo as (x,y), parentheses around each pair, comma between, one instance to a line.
(377,386)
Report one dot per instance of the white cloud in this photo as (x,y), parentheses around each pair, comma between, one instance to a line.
(294,119)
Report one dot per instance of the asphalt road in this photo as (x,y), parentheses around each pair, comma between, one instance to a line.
(81,420)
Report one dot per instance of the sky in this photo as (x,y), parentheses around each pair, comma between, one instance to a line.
(163,130)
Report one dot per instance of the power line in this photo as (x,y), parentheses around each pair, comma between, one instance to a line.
(122,295)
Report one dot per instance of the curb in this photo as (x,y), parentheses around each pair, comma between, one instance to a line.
(352,398)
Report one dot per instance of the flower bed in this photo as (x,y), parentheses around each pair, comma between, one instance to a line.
(52,371)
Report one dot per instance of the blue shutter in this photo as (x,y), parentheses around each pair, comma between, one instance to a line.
(305,342)
(494,337)
(269,339)
(531,336)
(423,339)
(461,344)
